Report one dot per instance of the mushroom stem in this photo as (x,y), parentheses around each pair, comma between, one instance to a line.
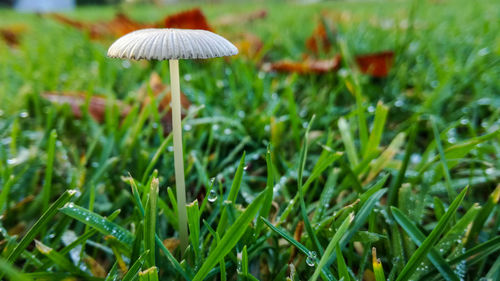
(178,156)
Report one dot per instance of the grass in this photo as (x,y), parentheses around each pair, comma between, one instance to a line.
(326,177)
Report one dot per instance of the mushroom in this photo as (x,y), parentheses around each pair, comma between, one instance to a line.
(173,44)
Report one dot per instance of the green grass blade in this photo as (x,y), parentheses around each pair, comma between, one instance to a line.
(150,274)
(150,223)
(58,259)
(11,272)
(194,226)
(47,185)
(233,193)
(378,270)
(303,209)
(341,266)
(418,237)
(286,236)
(451,192)
(134,269)
(431,239)
(266,206)
(378,128)
(98,222)
(345,133)
(331,246)
(230,238)
(41,223)
(394,188)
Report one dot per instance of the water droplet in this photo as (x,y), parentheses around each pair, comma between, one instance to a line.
(245,168)
(170,148)
(371,109)
(311,258)
(23,114)
(483,52)
(126,64)
(464,121)
(399,103)
(212,196)
(227,131)
(187,127)
(241,114)
(215,127)
(188,77)
(415,158)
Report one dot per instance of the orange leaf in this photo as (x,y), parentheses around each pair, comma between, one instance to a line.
(190,19)
(158,88)
(249,45)
(305,67)
(241,18)
(319,41)
(11,34)
(377,64)
(97,104)
(118,26)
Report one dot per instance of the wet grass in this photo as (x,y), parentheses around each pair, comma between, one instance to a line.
(289,176)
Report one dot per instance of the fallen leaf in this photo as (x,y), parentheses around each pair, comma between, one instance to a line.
(377,64)
(297,235)
(190,19)
(10,34)
(241,18)
(97,104)
(158,88)
(171,244)
(120,25)
(95,267)
(305,67)
(319,41)
(249,45)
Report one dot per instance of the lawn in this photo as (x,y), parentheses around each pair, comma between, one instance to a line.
(301,162)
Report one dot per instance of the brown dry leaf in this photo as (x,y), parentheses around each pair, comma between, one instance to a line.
(377,64)
(158,88)
(97,104)
(241,18)
(306,67)
(10,34)
(171,244)
(297,235)
(190,19)
(95,267)
(249,45)
(319,41)
(118,26)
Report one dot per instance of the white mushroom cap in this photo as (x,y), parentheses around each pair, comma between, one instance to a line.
(171,43)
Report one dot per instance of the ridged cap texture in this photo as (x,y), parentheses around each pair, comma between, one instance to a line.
(171,43)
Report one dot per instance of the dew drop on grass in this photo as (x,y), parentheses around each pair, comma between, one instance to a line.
(312,258)
(212,196)
(23,114)
(187,127)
